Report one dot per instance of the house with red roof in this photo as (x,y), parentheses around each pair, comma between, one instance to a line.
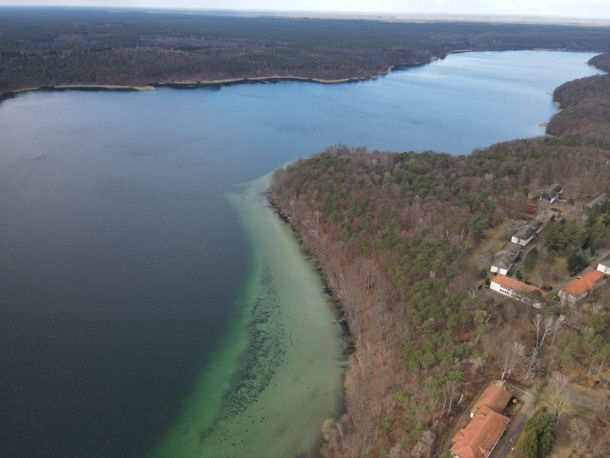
(518,290)
(581,286)
(487,424)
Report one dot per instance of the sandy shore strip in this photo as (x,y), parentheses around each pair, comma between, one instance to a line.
(109,87)
(207,83)
(274,78)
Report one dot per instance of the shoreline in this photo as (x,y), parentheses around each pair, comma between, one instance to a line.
(245,80)
(203,83)
(282,363)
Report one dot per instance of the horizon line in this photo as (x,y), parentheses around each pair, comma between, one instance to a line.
(341,14)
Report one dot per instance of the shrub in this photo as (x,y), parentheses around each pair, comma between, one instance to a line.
(537,438)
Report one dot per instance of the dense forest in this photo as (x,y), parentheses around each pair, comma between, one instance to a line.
(42,47)
(585,105)
(396,236)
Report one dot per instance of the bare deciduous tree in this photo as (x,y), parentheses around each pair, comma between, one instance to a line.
(600,448)
(537,324)
(580,434)
(548,326)
(477,363)
(558,400)
(558,383)
(532,362)
(512,357)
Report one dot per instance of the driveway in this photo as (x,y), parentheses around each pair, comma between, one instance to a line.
(507,442)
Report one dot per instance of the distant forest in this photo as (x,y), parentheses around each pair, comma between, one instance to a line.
(54,46)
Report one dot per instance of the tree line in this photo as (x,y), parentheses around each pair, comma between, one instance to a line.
(52,46)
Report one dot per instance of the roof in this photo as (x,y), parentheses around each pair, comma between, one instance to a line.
(478,438)
(535,224)
(503,259)
(550,193)
(516,285)
(510,203)
(526,231)
(605,261)
(512,248)
(583,283)
(495,397)
(529,208)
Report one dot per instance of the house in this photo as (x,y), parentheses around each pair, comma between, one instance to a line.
(604,265)
(504,259)
(581,286)
(495,397)
(551,194)
(510,204)
(556,188)
(515,289)
(525,234)
(487,424)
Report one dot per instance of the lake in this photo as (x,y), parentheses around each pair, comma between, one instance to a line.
(151,304)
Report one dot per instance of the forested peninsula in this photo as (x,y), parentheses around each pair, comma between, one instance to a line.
(399,238)
(91,48)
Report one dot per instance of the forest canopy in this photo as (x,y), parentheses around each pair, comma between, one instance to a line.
(396,236)
(58,46)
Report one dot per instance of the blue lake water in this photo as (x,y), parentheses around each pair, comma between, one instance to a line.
(121,260)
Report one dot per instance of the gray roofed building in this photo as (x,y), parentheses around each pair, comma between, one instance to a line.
(551,193)
(525,234)
(504,259)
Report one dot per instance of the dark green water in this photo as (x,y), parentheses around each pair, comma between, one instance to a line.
(124,268)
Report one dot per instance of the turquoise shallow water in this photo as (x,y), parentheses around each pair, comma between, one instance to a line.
(288,363)
(144,311)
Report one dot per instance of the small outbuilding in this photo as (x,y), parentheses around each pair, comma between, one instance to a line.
(511,205)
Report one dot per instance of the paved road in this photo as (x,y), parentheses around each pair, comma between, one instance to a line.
(507,442)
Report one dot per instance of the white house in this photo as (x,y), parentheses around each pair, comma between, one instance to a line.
(518,290)
(504,259)
(604,266)
(525,234)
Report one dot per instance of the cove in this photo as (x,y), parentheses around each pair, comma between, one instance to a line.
(148,304)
